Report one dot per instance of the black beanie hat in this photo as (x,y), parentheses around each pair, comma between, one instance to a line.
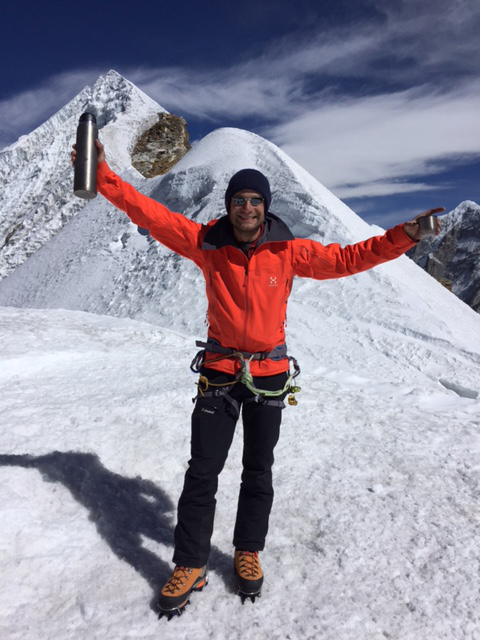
(248,179)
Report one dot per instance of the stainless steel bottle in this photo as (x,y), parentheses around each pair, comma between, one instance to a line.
(85,180)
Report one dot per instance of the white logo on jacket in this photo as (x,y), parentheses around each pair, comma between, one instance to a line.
(273,281)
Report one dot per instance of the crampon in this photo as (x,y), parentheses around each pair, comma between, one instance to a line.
(251,596)
(175,595)
(246,565)
(172,613)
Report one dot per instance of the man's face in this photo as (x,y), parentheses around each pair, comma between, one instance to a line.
(246,218)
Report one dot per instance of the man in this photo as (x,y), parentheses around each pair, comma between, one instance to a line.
(248,258)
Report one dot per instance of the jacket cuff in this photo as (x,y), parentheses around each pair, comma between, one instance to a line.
(102,171)
(401,237)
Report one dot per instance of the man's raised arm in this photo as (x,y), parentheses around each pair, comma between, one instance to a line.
(174,230)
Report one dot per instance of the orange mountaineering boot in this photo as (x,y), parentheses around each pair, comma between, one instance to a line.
(176,591)
(249,574)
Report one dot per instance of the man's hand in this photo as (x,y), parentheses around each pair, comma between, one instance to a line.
(412,228)
(100,150)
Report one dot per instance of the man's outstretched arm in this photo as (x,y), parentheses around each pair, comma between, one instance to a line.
(314,260)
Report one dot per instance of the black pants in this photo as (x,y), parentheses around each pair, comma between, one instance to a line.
(213,426)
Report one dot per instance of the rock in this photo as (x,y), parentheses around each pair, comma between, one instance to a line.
(452,257)
(159,148)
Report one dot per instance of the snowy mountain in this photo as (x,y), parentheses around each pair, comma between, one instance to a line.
(36,197)
(452,257)
(375,524)
(99,263)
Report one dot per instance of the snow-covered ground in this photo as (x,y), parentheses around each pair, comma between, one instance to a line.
(375,528)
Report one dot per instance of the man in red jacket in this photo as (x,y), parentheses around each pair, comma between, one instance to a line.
(249,259)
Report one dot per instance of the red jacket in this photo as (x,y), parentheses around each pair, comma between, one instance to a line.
(247,298)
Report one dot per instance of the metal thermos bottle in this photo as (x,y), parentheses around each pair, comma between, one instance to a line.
(428,225)
(85,180)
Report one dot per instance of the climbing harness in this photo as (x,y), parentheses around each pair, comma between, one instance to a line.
(262,396)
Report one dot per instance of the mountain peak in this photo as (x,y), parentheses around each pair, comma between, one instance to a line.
(36,174)
(214,159)
(113,95)
(113,74)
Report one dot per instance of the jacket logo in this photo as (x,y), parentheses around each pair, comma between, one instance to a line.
(273,281)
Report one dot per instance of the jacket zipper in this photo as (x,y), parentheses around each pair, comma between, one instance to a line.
(245,285)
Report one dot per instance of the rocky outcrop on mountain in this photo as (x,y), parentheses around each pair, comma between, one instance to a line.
(452,257)
(160,148)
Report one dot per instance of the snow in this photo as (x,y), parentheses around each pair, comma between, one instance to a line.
(374,531)
(375,527)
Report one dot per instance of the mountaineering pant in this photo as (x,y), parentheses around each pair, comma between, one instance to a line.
(213,427)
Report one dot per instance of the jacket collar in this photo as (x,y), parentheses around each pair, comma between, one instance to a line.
(220,234)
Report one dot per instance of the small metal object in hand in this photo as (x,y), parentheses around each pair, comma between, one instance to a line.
(428,225)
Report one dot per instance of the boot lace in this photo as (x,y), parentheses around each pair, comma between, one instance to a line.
(177,580)
(249,564)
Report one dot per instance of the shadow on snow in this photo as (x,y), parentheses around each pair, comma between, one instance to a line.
(123,509)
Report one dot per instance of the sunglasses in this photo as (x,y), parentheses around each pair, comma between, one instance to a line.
(241,200)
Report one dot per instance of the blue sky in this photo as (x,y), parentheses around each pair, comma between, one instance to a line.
(378,99)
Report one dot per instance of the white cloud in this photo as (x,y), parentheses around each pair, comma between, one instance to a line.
(217,94)
(380,141)
(364,146)
(412,44)
(379,188)
(24,111)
